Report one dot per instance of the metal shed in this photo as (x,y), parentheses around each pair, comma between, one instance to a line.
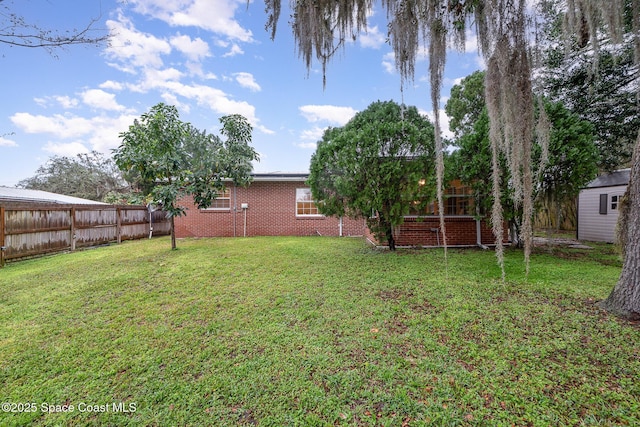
(598,206)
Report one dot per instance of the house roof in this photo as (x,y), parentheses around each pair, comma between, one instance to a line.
(612,179)
(23,195)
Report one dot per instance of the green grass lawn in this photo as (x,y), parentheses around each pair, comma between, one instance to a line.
(313,332)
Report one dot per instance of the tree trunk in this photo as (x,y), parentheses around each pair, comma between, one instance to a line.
(514,230)
(173,233)
(624,300)
(390,239)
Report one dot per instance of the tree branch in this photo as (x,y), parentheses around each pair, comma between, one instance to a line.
(17,32)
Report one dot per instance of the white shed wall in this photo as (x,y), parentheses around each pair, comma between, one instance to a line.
(592,225)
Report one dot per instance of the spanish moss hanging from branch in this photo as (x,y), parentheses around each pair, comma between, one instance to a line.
(506,31)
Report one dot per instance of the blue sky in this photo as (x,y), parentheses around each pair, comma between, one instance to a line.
(209,58)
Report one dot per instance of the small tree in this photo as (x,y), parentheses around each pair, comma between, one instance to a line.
(178,160)
(374,166)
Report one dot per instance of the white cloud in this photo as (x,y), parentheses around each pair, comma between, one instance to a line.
(314,134)
(235,50)
(105,132)
(194,49)
(310,137)
(246,80)
(389,62)
(59,125)
(66,101)
(444,122)
(65,149)
(132,49)
(43,102)
(455,81)
(216,100)
(97,98)
(328,113)
(372,38)
(4,142)
(171,99)
(110,84)
(154,79)
(212,15)
(307,145)
(471,42)
(100,132)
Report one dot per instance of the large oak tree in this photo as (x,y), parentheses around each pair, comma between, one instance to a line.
(87,175)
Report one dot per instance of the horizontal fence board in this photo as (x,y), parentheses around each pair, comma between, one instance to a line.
(31,230)
(30,244)
(29,221)
(128,216)
(93,218)
(96,236)
(134,231)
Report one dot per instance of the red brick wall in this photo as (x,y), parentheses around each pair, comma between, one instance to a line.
(271,212)
(461,231)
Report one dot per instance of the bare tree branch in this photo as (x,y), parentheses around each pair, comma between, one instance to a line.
(15,30)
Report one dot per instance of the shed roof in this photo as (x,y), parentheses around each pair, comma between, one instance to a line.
(23,195)
(612,179)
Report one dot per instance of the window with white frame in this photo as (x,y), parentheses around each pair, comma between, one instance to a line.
(305,206)
(615,202)
(222,202)
(459,201)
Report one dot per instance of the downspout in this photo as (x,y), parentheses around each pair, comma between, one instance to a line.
(479,229)
(340,227)
(150,220)
(479,236)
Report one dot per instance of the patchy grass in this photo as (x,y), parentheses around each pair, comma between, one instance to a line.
(312,332)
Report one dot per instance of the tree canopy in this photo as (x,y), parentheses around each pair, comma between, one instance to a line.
(560,168)
(87,175)
(505,30)
(174,159)
(606,96)
(374,166)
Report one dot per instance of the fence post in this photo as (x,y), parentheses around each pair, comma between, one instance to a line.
(119,224)
(72,214)
(2,238)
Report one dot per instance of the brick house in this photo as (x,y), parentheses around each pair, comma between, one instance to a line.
(280,204)
(422,226)
(277,204)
